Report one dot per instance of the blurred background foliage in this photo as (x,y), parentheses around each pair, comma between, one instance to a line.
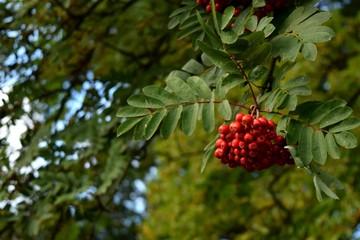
(67,66)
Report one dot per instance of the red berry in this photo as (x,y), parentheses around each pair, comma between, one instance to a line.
(239,117)
(271,134)
(264,121)
(224,129)
(248,137)
(235,143)
(244,152)
(208,8)
(256,124)
(253,154)
(247,119)
(261,139)
(237,11)
(219,153)
(280,140)
(235,126)
(271,124)
(253,146)
(239,136)
(243,145)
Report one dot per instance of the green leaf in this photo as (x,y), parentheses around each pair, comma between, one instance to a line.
(228,37)
(282,124)
(293,132)
(231,81)
(178,11)
(323,187)
(331,146)
(214,16)
(174,22)
(272,99)
(193,66)
(285,46)
(181,89)
(208,116)
(161,94)
(251,24)
(296,82)
(309,51)
(241,20)
(346,139)
(306,110)
(315,20)
(227,16)
(327,178)
(188,118)
(256,55)
(323,108)
(132,112)
(219,58)
(258,73)
(302,91)
(290,103)
(346,124)
(317,34)
(215,41)
(127,125)
(317,188)
(319,150)
(225,110)
(170,121)
(269,29)
(254,39)
(154,123)
(305,145)
(297,16)
(139,131)
(179,74)
(335,116)
(207,155)
(258,3)
(263,23)
(200,87)
(142,101)
(188,31)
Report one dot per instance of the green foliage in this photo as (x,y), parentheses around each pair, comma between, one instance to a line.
(75,74)
(246,56)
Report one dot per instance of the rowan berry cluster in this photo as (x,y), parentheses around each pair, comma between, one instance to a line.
(251,143)
(220,5)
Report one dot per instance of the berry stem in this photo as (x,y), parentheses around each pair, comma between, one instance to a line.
(213,11)
(241,68)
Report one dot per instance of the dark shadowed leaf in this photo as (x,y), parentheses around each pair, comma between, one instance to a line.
(305,145)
